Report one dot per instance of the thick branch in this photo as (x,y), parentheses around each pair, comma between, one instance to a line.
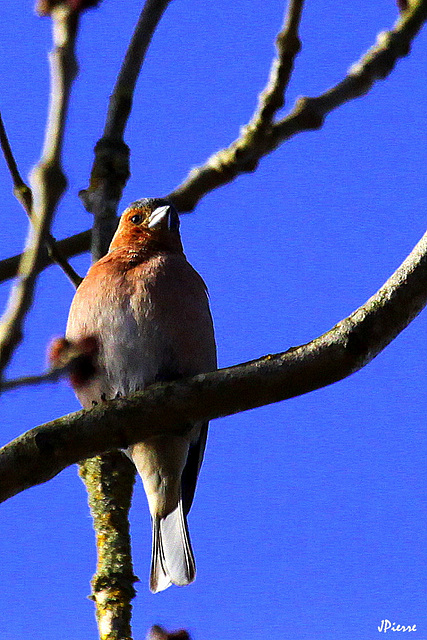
(308,113)
(41,453)
(109,482)
(109,485)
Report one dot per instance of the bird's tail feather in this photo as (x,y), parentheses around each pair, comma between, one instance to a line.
(172,560)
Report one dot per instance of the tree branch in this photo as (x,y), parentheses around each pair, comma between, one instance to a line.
(48,180)
(20,190)
(69,247)
(71,356)
(41,453)
(110,170)
(272,99)
(108,479)
(308,113)
(23,194)
(244,154)
(32,380)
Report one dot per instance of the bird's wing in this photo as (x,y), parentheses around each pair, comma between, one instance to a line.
(192,468)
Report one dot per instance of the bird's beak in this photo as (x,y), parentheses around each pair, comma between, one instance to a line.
(157,217)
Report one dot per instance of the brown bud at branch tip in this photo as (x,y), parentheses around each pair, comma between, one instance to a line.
(45,7)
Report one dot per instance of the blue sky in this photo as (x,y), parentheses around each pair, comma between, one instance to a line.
(309,519)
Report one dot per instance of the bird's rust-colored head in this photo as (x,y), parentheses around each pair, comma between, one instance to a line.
(150,223)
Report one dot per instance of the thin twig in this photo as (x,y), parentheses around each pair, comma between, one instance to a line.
(122,97)
(23,194)
(26,381)
(72,246)
(57,257)
(309,113)
(41,453)
(20,190)
(61,367)
(272,97)
(48,180)
(110,170)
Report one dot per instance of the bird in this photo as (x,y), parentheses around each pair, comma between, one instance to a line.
(142,315)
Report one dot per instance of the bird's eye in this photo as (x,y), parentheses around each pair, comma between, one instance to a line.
(136,219)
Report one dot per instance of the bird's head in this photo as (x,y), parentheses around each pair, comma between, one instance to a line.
(152,223)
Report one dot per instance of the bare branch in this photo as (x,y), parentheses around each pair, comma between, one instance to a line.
(272,98)
(69,247)
(58,258)
(20,190)
(48,181)
(46,7)
(109,499)
(41,453)
(110,170)
(122,96)
(26,381)
(308,113)
(375,65)
(109,481)
(23,194)
(65,359)
(227,164)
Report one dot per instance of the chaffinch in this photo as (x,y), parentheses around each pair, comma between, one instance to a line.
(147,309)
